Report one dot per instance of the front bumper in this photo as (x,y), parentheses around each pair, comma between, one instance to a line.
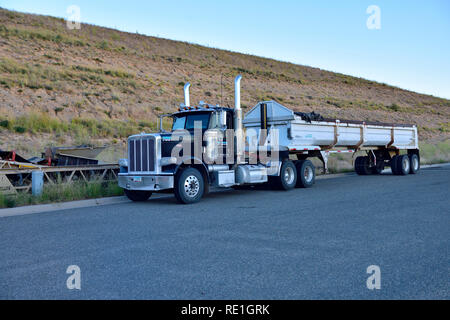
(146,183)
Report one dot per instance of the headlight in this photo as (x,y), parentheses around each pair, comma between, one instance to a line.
(123,163)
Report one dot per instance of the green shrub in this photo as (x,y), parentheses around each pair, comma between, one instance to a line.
(115,37)
(104,45)
(4,123)
(58,109)
(395,107)
(20,129)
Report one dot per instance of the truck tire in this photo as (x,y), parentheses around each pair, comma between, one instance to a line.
(403,165)
(415,163)
(288,177)
(306,174)
(189,186)
(393,165)
(138,196)
(362,166)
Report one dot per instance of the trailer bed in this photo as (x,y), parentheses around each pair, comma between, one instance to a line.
(298,134)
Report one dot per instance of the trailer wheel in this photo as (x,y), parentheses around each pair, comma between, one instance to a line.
(362,166)
(403,165)
(415,163)
(306,174)
(288,177)
(138,196)
(189,186)
(393,164)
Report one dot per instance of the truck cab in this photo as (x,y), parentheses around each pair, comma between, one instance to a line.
(205,147)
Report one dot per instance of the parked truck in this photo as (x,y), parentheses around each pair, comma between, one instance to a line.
(250,156)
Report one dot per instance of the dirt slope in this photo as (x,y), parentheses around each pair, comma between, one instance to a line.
(121,81)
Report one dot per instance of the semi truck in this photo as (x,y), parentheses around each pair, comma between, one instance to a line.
(271,145)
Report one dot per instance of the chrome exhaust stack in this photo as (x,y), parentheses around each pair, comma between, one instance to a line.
(238,127)
(187,101)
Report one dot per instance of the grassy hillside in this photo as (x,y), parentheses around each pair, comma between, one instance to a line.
(97,85)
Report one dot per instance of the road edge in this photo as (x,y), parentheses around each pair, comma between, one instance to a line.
(26,210)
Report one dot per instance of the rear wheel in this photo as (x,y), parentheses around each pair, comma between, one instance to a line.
(415,163)
(403,165)
(394,165)
(288,176)
(306,174)
(138,196)
(362,166)
(189,186)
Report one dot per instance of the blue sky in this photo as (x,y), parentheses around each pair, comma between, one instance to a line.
(411,50)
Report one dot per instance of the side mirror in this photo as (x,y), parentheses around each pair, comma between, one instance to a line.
(161,122)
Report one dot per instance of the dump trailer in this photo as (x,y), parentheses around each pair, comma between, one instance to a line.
(271,145)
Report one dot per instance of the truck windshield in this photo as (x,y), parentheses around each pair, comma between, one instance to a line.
(188,121)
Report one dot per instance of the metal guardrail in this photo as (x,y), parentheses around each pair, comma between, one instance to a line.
(15,177)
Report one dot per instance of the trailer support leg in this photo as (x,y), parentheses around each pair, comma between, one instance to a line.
(324,158)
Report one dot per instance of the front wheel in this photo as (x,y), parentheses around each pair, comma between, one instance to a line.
(138,196)
(189,186)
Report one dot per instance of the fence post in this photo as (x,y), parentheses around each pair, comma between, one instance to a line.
(37,182)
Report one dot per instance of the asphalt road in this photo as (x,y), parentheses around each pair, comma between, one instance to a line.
(304,244)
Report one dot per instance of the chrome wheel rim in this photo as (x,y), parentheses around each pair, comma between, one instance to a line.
(308,174)
(406,164)
(289,175)
(191,186)
(415,163)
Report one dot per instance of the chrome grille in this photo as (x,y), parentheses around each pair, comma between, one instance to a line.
(141,154)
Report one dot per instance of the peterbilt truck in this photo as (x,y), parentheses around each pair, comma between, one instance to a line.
(271,145)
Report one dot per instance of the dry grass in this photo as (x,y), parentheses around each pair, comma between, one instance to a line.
(35,123)
(62,193)
(435,153)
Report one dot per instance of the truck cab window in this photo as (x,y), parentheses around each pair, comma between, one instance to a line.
(179,123)
(201,118)
(188,121)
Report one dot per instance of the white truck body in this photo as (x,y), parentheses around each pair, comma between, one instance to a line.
(297,134)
